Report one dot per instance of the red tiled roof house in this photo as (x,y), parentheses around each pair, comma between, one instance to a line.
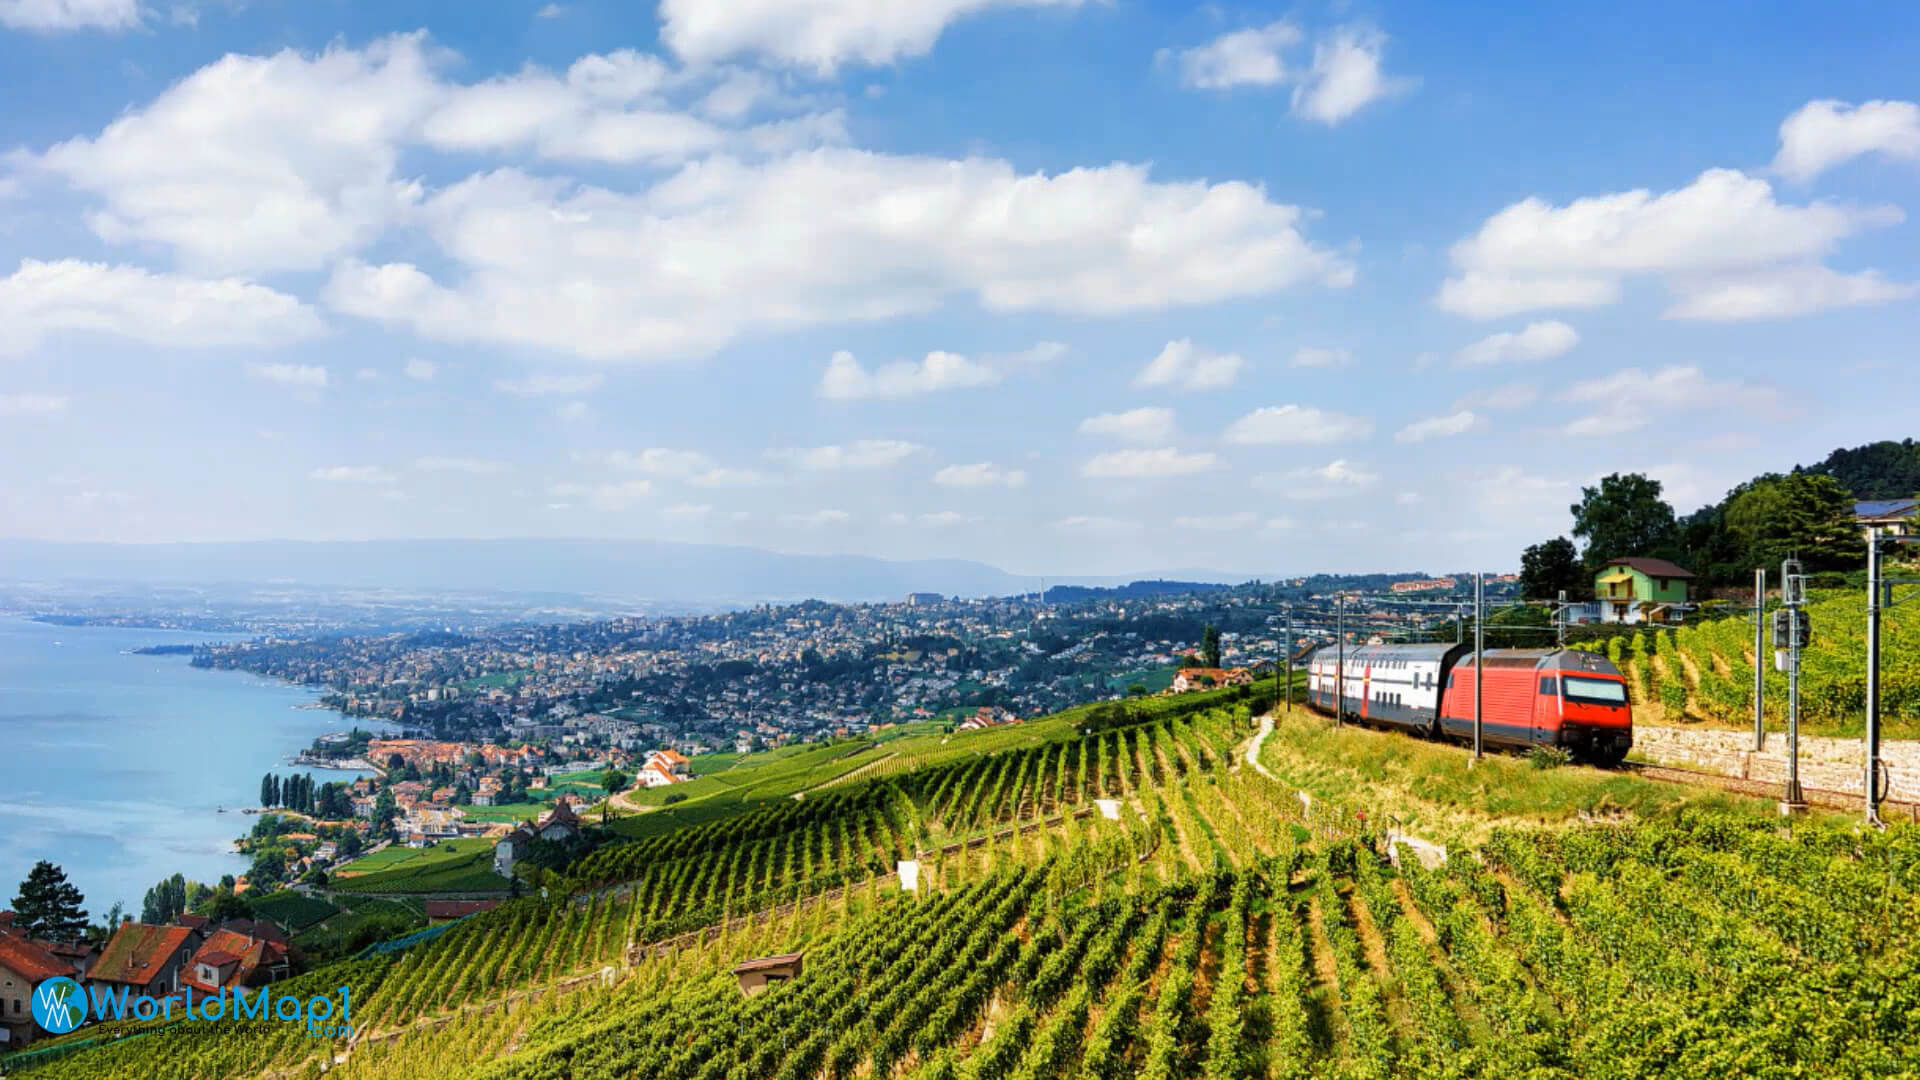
(144,959)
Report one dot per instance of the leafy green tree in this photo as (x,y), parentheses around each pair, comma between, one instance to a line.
(266,790)
(48,905)
(1138,689)
(1879,470)
(165,901)
(614,781)
(1624,516)
(1805,513)
(1550,566)
(384,809)
(1210,646)
(1191,660)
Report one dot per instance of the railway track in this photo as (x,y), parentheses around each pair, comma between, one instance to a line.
(1768,789)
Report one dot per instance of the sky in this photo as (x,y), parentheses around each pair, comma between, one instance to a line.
(1067,286)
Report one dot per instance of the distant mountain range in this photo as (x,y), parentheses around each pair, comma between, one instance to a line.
(632,570)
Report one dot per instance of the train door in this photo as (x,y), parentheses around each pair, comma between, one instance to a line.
(1546,709)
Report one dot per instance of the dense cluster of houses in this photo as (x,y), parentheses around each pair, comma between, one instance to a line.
(187,960)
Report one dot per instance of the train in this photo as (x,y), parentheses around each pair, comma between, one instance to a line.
(1529,697)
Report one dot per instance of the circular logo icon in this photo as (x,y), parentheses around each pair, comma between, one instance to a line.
(59,1005)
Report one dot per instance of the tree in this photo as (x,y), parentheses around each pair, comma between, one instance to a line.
(266,790)
(1880,470)
(1550,566)
(1191,660)
(1809,514)
(614,781)
(165,901)
(1210,646)
(48,905)
(1624,516)
(1138,689)
(384,808)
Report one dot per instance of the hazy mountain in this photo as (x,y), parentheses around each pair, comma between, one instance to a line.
(626,569)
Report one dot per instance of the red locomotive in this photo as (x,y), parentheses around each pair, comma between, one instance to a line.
(1529,697)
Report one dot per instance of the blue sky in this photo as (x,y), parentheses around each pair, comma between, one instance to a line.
(1064,286)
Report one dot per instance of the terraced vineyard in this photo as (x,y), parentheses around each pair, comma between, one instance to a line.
(1213,927)
(1705,671)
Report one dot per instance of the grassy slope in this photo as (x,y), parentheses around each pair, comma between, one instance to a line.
(461,865)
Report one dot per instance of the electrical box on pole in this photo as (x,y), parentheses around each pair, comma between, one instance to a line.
(1792,630)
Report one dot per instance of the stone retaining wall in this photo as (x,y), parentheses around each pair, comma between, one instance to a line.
(1826,763)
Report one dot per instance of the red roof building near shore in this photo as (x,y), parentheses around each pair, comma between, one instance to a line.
(234,958)
(31,960)
(143,957)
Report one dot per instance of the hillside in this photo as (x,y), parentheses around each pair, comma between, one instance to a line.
(1217,925)
(1704,672)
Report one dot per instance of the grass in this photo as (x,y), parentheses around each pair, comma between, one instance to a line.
(1433,790)
(461,865)
(294,911)
(800,767)
(505,812)
(335,933)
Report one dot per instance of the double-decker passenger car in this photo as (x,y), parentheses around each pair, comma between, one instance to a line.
(1529,697)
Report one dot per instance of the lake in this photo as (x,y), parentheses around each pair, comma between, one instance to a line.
(114,766)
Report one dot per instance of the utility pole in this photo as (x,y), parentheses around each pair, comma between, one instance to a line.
(1479,653)
(1340,654)
(1874,603)
(1759,672)
(1289,657)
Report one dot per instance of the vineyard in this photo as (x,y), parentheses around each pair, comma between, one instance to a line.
(1704,672)
(1215,926)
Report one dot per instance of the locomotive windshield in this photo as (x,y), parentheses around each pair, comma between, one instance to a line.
(1598,691)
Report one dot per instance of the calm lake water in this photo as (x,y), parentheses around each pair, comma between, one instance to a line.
(114,765)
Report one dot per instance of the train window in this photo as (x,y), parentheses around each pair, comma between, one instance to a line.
(1549,686)
(1598,691)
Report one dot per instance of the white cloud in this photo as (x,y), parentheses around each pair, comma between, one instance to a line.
(308,376)
(1631,399)
(728,477)
(571,411)
(1783,292)
(1151,424)
(1147,464)
(817,34)
(1249,57)
(228,168)
(1036,355)
(366,374)
(1822,134)
(1407,498)
(1333,480)
(818,519)
(1094,523)
(543,385)
(470,466)
(1296,425)
(655,460)
(1437,427)
(420,370)
(1538,341)
(53,15)
(369,475)
(846,380)
(1513,396)
(32,404)
(688,511)
(1245,519)
(550,11)
(947,519)
(864,454)
(1534,255)
(1346,77)
(614,496)
(1307,356)
(1186,366)
(707,254)
(983,474)
(166,310)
